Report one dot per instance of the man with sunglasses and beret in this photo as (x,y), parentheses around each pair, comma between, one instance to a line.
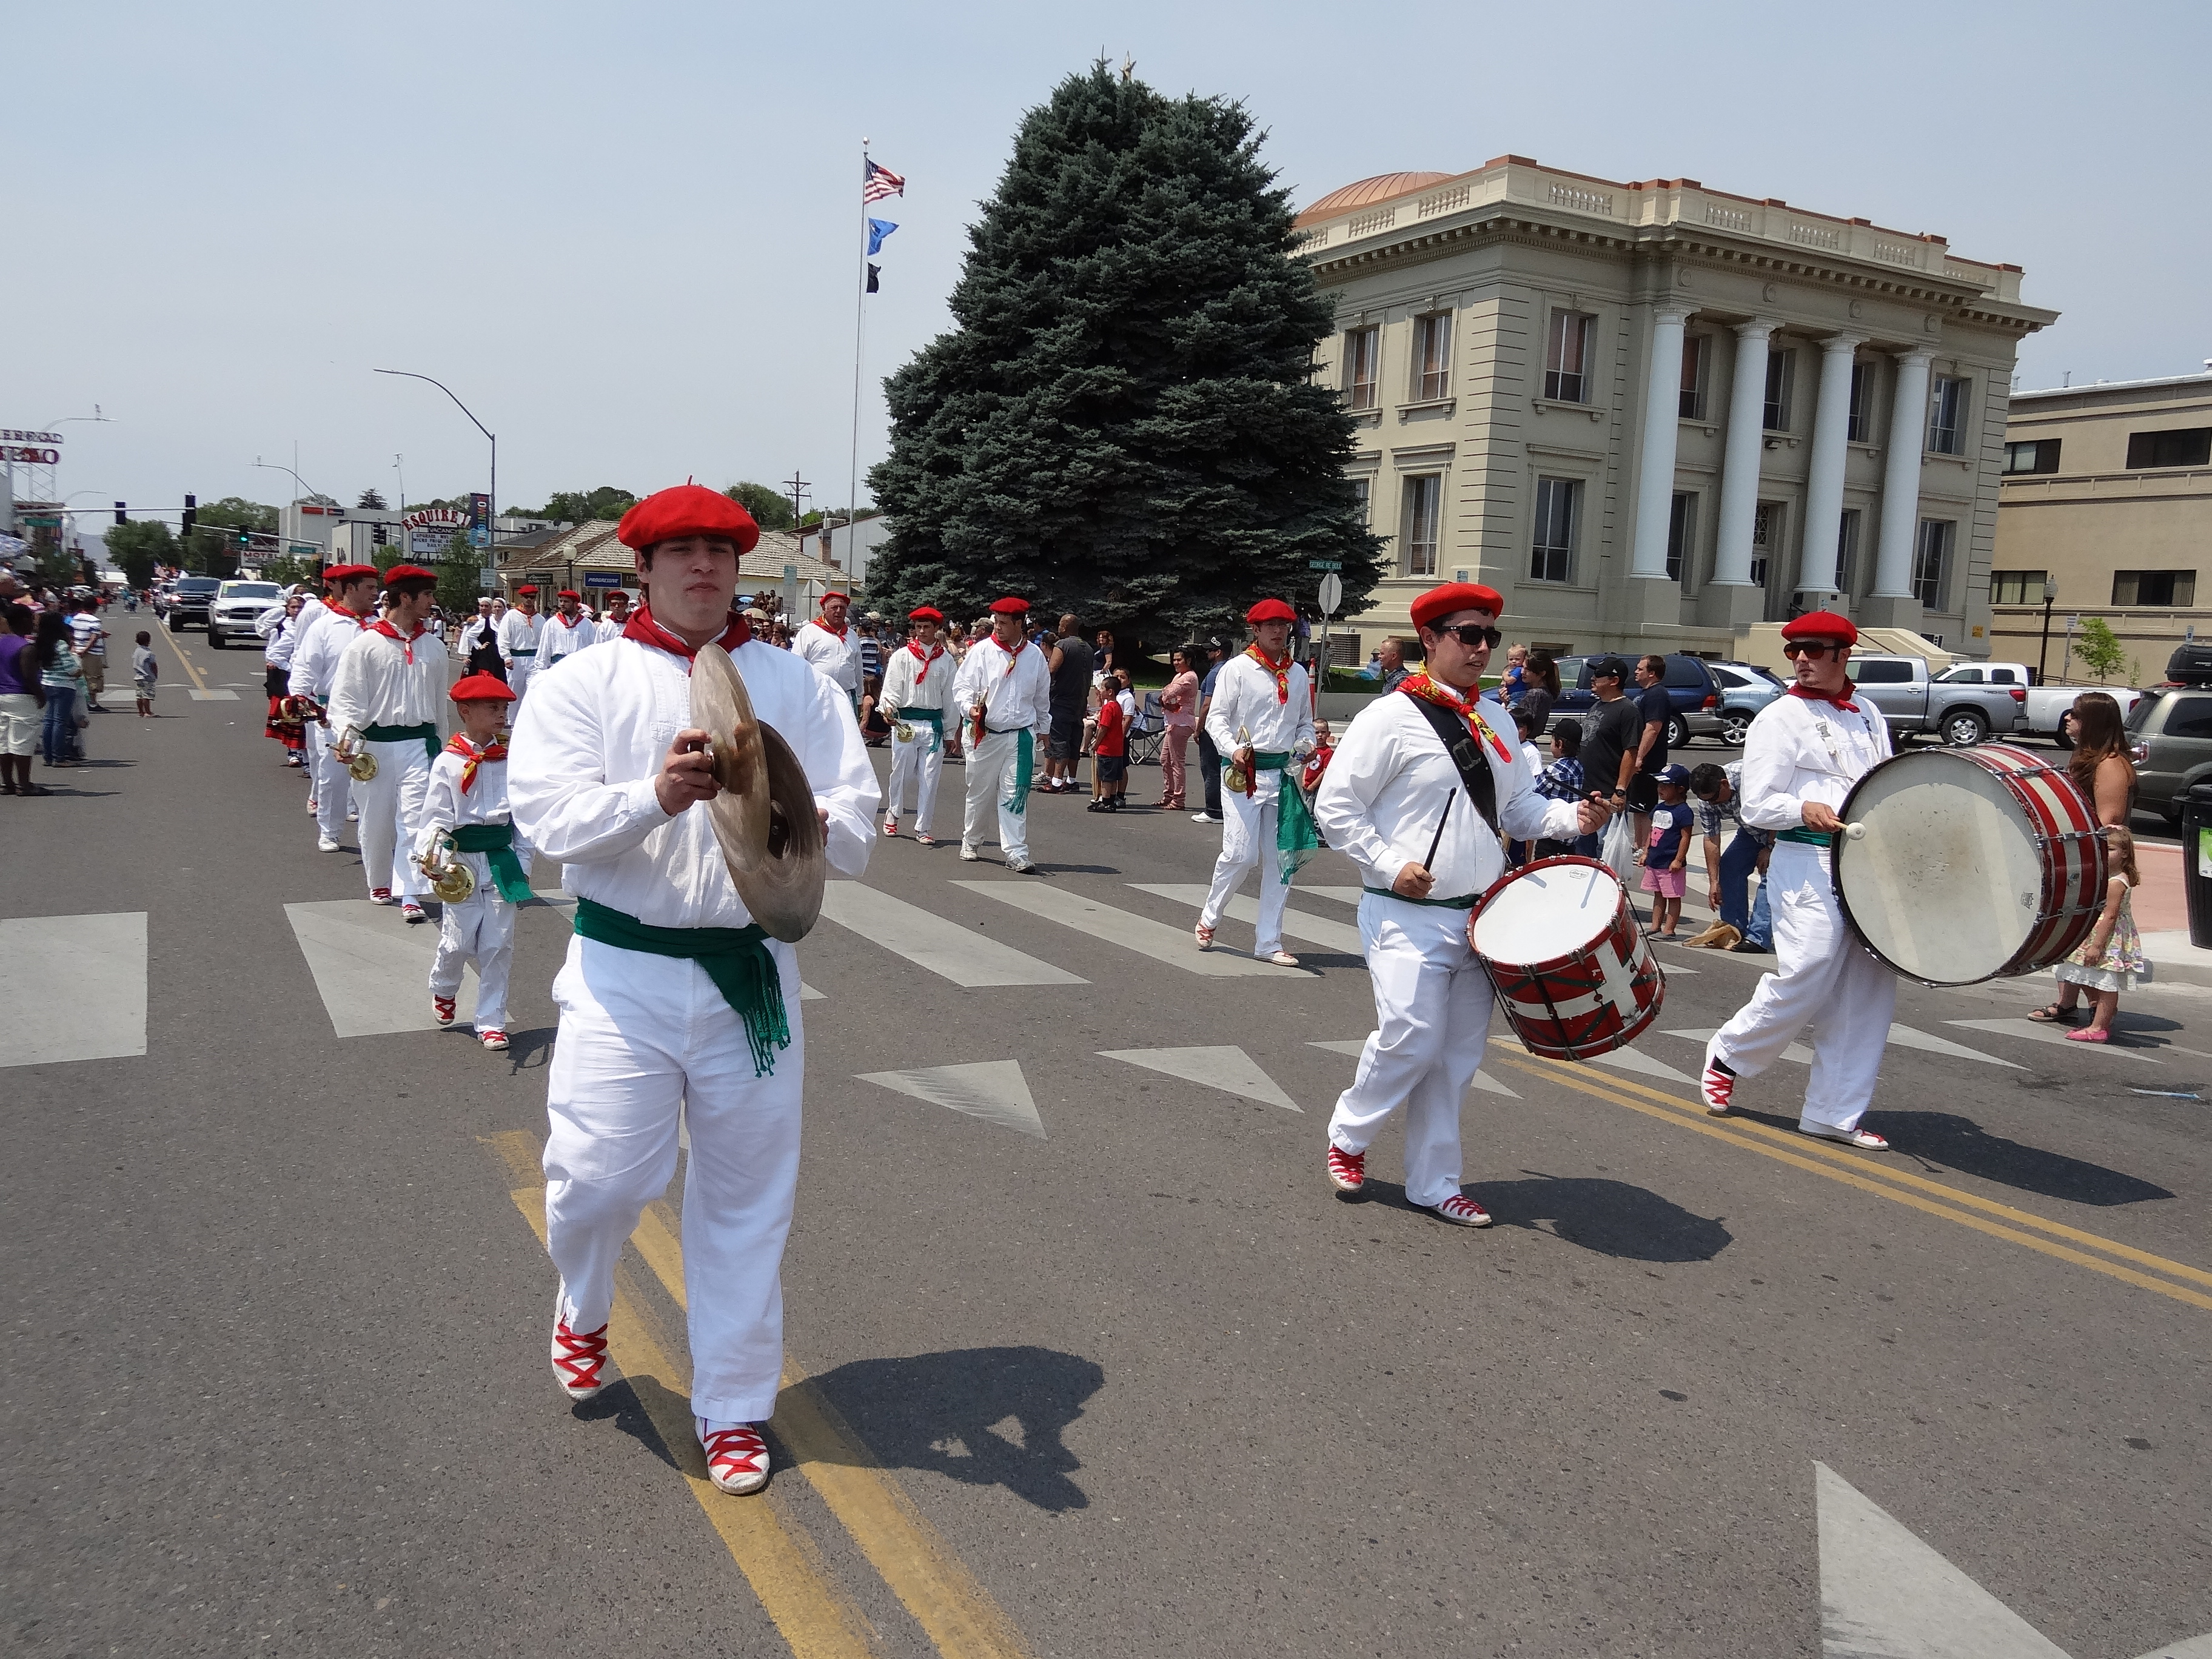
(1802,755)
(1426,837)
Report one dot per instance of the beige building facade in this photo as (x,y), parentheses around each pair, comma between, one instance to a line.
(2105,489)
(1653,415)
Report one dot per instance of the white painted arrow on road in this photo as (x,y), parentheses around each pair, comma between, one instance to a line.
(992,1090)
(1227,1067)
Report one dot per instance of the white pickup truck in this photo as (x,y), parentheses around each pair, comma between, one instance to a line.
(2044,704)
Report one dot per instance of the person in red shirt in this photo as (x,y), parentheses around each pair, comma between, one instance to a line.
(1109,771)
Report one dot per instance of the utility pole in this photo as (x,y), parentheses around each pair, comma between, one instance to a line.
(798,489)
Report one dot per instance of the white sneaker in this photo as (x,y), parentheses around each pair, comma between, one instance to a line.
(324,844)
(736,1456)
(353,818)
(1021,866)
(1865,1140)
(968,854)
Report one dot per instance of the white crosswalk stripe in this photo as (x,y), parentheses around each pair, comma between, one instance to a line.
(2035,1031)
(1636,1060)
(73,988)
(1353,1046)
(1338,936)
(372,969)
(992,1090)
(937,943)
(1227,1067)
(1796,1052)
(1147,938)
(217,695)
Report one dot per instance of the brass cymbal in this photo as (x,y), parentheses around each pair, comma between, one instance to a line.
(764,819)
(721,707)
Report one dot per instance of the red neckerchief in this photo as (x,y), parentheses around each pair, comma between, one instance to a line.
(406,641)
(1421,686)
(924,657)
(1842,699)
(1013,655)
(1281,670)
(353,617)
(565,623)
(641,627)
(472,756)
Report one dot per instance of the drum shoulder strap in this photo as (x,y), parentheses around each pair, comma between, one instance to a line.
(1468,757)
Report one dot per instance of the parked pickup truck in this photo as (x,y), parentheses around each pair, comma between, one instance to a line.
(2044,704)
(1961,713)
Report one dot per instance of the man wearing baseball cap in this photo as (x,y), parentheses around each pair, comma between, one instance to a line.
(1801,757)
(567,631)
(388,698)
(1427,839)
(521,634)
(1004,694)
(351,591)
(917,686)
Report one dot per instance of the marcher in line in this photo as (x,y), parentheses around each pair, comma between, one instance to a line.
(917,687)
(610,626)
(467,801)
(388,697)
(521,637)
(1396,803)
(567,631)
(1004,694)
(348,589)
(279,628)
(1260,719)
(676,1012)
(829,644)
(1804,753)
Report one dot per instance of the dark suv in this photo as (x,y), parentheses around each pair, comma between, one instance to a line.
(1691,688)
(189,600)
(2170,726)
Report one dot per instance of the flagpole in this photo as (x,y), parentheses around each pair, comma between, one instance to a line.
(860,334)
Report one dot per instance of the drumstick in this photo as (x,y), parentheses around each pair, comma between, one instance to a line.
(1854,832)
(1437,840)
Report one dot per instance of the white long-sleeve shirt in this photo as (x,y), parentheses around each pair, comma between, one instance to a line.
(1244,696)
(484,801)
(1385,790)
(837,657)
(1800,749)
(322,643)
(519,633)
(281,637)
(910,683)
(591,739)
(608,629)
(1021,697)
(557,638)
(378,685)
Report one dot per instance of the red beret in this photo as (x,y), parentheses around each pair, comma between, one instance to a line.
(1271,610)
(568,593)
(527,590)
(481,687)
(833,595)
(926,613)
(614,594)
(687,509)
(1455,597)
(347,572)
(1010,606)
(409,573)
(1820,625)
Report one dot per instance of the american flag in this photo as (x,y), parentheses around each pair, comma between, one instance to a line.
(878,182)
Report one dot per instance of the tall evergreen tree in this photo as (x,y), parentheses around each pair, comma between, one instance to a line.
(1123,424)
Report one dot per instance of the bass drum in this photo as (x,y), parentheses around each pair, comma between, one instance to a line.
(1972,864)
(1572,972)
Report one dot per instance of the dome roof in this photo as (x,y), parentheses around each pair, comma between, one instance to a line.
(1383,187)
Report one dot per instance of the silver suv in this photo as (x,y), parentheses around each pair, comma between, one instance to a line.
(2170,726)
(236,607)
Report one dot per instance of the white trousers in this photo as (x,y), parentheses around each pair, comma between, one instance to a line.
(481,931)
(916,767)
(646,1042)
(517,675)
(1248,837)
(391,806)
(1432,1003)
(990,782)
(328,778)
(1825,979)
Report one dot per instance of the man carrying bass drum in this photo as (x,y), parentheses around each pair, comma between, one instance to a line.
(1803,754)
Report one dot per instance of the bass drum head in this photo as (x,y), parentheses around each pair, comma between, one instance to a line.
(1946,883)
(1547,910)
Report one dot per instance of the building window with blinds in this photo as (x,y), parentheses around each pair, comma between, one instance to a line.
(1363,491)
(1781,382)
(1551,559)
(1423,515)
(1696,348)
(1861,416)
(1361,356)
(1947,415)
(1931,562)
(1432,357)
(1566,358)
(1681,532)
(2015,588)
(1847,550)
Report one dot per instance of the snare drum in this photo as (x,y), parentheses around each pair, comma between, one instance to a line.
(1974,863)
(1574,975)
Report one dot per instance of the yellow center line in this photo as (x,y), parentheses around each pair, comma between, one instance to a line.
(178,646)
(1671,1112)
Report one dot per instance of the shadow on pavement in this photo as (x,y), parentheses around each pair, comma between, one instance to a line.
(622,1404)
(1611,1218)
(1960,1143)
(989,1417)
(527,1050)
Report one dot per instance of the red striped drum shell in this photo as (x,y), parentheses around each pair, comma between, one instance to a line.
(1976,864)
(1559,940)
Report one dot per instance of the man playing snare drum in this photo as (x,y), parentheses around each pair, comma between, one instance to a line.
(1804,752)
(1394,799)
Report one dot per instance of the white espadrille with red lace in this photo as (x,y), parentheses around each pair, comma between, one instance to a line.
(579,1358)
(736,1456)
(494,1040)
(1716,1087)
(1347,1171)
(1461,1211)
(445,1008)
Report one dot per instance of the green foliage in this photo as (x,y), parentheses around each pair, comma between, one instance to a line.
(575,506)
(286,568)
(373,498)
(770,511)
(459,580)
(2099,647)
(1123,423)
(135,548)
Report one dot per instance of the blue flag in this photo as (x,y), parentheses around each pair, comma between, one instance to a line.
(878,229)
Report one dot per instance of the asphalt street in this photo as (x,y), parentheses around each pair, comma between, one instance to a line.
(1087,1358)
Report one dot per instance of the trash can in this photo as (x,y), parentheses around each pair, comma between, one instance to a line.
(2196,862)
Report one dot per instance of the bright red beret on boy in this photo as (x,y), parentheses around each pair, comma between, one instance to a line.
(1271,610)
(687,509)
(481,687)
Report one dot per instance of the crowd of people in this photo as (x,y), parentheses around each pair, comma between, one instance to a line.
(53,669)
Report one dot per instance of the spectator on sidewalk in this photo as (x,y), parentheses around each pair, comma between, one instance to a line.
(1209,757)
(1391,664)
(1109,769)
(145,673)
(89,640)
(1717,791)
(1540,691)
(62,678)
(1070,662)
(21,699)
(2111,960)
(1179,713)
(1562,780)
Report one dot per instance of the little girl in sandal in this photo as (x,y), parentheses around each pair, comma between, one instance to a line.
(2111,960)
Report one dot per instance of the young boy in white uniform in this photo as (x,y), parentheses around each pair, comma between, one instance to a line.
(467,800)
(917,686)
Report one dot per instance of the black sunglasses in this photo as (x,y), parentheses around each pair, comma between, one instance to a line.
(1473,633)
(1805,648)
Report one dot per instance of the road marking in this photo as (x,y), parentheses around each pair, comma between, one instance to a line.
(1227,1069)
(1856,1169)
(1885,1594)
(1903,1036)
(2197,1647)
(992,1090)
(176,645)
(1336,936)
(1155,940)
(816,1618)
(1796,1052)
(1357,1046)
(2037,1031)
(372,970)
(944,947)
(214,697)
(73,988)
(1631,1060)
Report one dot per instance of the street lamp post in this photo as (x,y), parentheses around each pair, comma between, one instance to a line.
(491,517)
(2050,595)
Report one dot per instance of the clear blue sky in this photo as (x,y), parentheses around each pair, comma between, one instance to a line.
(627,234)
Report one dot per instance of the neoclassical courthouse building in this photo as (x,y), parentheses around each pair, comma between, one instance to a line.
(1653,415)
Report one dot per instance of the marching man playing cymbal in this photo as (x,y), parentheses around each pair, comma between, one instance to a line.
(467,801)
(917,685)
(1004,692)
(1802,755)
(1260,719)
(521,634)
(387,698)
(677,1011)
(1427,838)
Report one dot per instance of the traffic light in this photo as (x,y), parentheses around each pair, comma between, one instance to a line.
(191,516)
(379,533)
(245,538)
(122,514)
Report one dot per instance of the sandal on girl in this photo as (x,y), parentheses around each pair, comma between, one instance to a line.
(2088,1034)
(2052,1013)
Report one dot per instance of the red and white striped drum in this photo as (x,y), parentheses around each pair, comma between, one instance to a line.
(1965,864)
(1572,971)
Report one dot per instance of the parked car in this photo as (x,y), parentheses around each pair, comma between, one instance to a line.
(2171,729)
(1961,713)
(189,601)
(237,607)
(1746,688)
(2041,713)
(1691,687)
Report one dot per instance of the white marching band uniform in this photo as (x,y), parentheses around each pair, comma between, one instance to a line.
(1244,698)
(557,639)
(1015,688)
(392,683)
(480,929)
(1379,802)
(519,638)
(323,640)
(608,629)
(646,1042)
(837,657)
(917,689)
(1799,749)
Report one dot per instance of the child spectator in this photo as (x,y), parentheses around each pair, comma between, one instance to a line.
(2111,960)
(1667,858)
(144,671)
(1109,768)
(1562,780)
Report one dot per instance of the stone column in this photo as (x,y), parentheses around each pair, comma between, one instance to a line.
(1892,604)
(1654,472)
(1731,599)
(1824,485)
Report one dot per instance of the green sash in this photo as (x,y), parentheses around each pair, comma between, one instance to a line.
(426,732)
(497,842)
(734,957)
(1296,839)
(928,716)
(1025,761)
(1806,838)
